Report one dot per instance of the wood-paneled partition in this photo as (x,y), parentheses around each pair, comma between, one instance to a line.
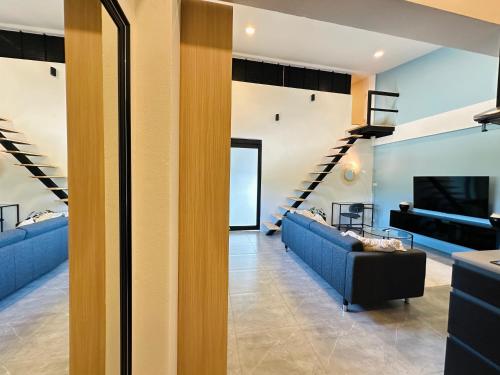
(205,139)
(86,184)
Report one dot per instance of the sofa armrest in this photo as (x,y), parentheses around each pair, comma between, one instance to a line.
(376,276)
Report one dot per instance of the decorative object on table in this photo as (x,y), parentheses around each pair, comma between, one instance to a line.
(404,206)
(318,211)
(495,220)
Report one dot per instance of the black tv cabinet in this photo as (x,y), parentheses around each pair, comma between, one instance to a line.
(468,235)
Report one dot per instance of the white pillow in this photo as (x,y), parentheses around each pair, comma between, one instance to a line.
(377,244)
(42,216)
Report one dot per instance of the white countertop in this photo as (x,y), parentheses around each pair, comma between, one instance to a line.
(480,259)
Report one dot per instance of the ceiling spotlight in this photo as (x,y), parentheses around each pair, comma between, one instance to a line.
(378,54)
(250,30)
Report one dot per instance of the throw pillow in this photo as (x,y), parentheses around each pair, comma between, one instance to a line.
(376,244)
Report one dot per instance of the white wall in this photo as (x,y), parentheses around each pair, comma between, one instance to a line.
(35,103)
(294,145)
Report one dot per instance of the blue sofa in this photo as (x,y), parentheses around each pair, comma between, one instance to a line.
(360,277)
(30,251)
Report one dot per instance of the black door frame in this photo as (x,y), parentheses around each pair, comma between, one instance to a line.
(125,183)
(256,144)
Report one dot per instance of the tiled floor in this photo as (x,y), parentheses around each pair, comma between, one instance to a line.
(34,327)
(284,319)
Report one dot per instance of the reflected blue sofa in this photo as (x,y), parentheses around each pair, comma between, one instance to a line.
(28,252)
(360,277)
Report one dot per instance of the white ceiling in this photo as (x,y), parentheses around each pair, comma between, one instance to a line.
(306,41)
(279,36)
(44,16)
(396,17)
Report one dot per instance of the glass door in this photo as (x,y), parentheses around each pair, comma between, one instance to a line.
(244,204)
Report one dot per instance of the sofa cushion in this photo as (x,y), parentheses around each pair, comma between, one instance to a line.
(377,244)
(333,235)
(300,219)
(11,236)
(36,229)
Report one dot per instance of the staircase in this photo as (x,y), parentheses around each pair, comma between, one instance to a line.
(24,159)
(333,158)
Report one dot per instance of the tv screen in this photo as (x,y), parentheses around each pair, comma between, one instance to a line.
(466,196)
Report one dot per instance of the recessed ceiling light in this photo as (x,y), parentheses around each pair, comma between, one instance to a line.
(250,30)
(378,54)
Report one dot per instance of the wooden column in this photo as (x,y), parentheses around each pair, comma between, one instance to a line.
(86,186)
(205,138)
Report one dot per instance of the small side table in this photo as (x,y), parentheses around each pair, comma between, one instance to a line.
(343,206)
(7,205)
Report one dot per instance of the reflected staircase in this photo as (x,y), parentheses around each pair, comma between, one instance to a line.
(24,159)
(334,157)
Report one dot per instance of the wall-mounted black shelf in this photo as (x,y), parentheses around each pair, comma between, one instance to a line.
(476,237)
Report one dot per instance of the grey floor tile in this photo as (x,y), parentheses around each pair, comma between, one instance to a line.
(287,320)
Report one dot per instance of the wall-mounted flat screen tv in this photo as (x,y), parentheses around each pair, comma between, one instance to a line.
(466,196)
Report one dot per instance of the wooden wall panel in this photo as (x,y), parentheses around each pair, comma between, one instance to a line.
(205,137)
(86,186)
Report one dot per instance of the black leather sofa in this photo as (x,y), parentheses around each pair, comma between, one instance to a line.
(360,277)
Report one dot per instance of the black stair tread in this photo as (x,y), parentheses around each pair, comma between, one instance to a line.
(305,190)
(297,199)
(312,182)
(320,172)
(335,155)
(47,177)
(350,138)
(287,208)
(15,141)
(3,119)
(36,165)
(23,153)
(326,164)
(341,147)
(5,130)
(62,200)
(278,216)
(57,188)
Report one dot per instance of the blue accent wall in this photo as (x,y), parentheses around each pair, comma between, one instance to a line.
(438,82)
